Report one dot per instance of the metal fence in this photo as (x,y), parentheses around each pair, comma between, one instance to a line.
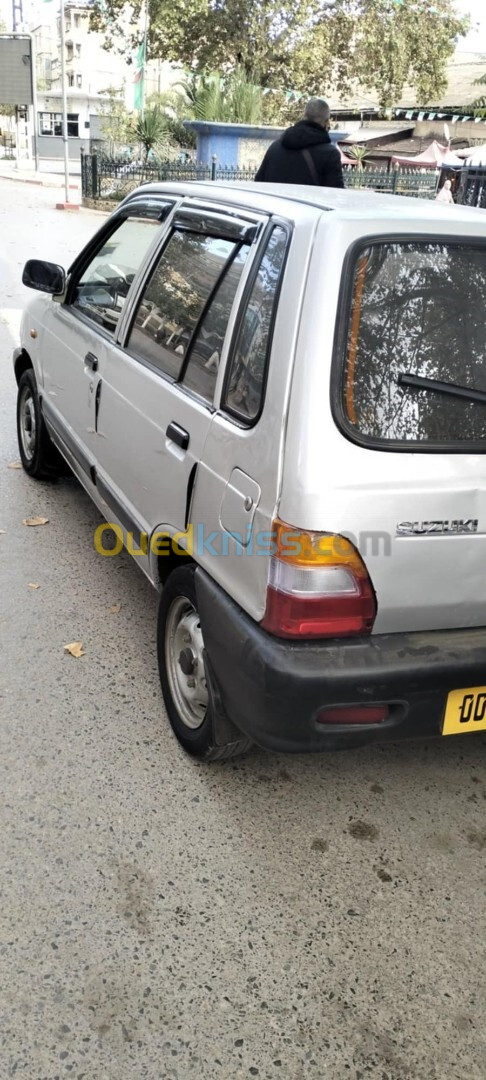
(105,178)
(409,182)
(472,187)
(7,144)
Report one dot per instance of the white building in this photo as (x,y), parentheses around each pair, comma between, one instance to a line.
(91,71)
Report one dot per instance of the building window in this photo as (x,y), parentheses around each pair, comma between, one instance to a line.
(73,125)
(78,50)
(51,124)
(79,81)
(77,20)
(71,80)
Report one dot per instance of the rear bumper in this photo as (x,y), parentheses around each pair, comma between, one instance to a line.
(273,689)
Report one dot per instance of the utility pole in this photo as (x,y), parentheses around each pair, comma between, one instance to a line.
(145,36)
(17,15)
(64,108)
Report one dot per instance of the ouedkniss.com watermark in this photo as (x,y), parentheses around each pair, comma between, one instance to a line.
(196,541)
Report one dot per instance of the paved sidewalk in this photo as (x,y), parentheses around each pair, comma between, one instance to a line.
(44,177)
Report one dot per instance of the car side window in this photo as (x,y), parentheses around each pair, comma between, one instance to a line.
(205,354)
(175,296)
(245,381)
(103,287)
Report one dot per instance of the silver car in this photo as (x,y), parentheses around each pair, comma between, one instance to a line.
(276,397)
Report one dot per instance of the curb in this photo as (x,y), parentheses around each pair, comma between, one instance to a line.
(37,183)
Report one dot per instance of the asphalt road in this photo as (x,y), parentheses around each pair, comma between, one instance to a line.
(276,917)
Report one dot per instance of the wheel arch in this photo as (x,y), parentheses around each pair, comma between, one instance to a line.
(162,565)
(22,362)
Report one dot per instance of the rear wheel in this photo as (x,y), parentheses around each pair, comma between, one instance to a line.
(184,674)
(39,456)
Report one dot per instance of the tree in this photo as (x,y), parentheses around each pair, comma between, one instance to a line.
(478,107)
(234,98)
(359,153)
(151,130)
(116,123)
(302,45)
(176,109)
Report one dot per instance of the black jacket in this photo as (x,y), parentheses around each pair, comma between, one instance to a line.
(284,162)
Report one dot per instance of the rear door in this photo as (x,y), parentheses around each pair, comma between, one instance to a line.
(403,467)
(238,482)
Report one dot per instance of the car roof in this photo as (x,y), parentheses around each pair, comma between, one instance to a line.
(286,199)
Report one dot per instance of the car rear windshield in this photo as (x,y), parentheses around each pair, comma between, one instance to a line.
(415,344)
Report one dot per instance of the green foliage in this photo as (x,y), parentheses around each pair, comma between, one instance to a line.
(176,109)
(359,153)
(478,107)
(116,122)
(306,45)
(151,131)
(234,98)
(390,45)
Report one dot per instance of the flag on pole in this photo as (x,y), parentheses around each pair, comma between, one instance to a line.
(138,78)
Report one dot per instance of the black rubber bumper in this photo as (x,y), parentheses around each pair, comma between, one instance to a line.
(273,689)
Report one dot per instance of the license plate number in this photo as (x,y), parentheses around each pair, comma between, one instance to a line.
(465,711)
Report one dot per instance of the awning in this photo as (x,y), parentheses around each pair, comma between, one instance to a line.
(434,157)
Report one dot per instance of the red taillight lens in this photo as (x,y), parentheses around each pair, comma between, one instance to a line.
(318,587)
(337,616)
(354,714)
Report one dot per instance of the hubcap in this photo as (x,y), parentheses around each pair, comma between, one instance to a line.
(27,423)
(184,661)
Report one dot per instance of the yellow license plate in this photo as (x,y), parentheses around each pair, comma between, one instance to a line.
(465,711)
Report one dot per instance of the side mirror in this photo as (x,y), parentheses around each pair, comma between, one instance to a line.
(44,276)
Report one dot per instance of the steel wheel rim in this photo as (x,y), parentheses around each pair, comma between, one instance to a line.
(184,662)
(28,426)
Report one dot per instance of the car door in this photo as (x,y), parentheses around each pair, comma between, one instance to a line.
(79,333)
(157,398)
(238,481)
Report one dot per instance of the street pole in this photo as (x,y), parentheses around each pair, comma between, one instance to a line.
(145,35)
(35,121)
(64,108)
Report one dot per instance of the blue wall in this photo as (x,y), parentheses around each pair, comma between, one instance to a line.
(221,140)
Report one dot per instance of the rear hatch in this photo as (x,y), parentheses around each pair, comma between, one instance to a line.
(400,468)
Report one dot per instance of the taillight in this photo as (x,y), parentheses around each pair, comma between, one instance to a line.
(318,586)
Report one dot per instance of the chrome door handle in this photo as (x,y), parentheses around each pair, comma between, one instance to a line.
(91,361)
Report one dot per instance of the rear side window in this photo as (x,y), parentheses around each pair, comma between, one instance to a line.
(203,363)
(245,383)
(175,297)
(414,345)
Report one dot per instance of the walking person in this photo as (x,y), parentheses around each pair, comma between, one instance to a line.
(304,154)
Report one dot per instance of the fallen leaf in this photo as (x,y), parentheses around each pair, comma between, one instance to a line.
(15,465)
(115,609)
(35,521)
(75,649)
(33,586)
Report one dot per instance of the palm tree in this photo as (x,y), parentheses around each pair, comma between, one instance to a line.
(359,153)
(232,98)
(151,130)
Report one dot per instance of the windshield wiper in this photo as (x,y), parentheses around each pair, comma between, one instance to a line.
(419,382)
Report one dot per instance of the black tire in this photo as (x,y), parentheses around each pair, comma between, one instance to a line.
(39,456)
(196,724)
